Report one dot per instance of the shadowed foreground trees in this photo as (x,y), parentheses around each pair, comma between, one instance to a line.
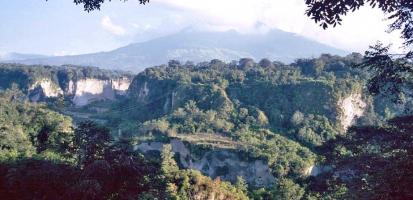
(370,163)
(107,170)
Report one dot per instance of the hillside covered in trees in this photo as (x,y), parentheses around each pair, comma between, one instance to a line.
(218,130)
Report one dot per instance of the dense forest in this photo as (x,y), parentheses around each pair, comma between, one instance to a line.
(180,128)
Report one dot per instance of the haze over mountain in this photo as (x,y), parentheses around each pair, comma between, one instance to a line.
(19,56)
(198,46)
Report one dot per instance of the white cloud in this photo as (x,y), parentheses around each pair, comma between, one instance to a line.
(359,29)
(108,25)
(64,53)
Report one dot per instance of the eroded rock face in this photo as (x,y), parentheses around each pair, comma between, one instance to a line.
(351,107)
(49,88)
(217,163)
(143,92)
(121,85)
(315,170)
(89,90)
(82,91)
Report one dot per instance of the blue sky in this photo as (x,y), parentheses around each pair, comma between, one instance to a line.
(59,27)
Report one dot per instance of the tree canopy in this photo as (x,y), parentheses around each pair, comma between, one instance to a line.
(390,73)
(90,5)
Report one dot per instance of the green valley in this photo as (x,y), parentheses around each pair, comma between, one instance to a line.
(216,130)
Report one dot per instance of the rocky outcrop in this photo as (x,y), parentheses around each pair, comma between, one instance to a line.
(44,89)
(121,85)
(217,163)
(89,90)
(351,108)
(315,170)
(143,92)
(82,91)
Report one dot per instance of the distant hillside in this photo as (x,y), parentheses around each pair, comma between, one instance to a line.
(196,46)
(19,56)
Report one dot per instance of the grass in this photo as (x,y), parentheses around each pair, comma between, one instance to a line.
(210,140)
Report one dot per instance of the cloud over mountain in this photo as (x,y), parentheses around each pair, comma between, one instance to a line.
(197,46)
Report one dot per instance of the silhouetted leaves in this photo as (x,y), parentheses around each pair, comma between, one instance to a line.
(90,5)
(389,75)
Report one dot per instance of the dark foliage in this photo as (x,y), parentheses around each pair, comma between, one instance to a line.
(33,179)
(91,141)
(90,5)
(372,162)
(389,75)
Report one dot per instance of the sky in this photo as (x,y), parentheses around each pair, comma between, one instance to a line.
(59,27)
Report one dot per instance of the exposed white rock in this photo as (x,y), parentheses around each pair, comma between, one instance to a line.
(352,107)
(48,88)
(88,90)
(143,92)
(71,88)
(121,85)
(152,146)
(83,91)
(315,170)
(225,164)
(309,170)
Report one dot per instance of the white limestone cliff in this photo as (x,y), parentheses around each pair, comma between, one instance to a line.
(49,88)
(89,90)
(351,108)
(82,91)
(223,163)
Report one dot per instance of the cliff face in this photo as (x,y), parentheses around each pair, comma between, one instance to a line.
(88,90)
(80,92)
(81,85)
(217,163)
(351,107)
(310,111)
(44,88)
(278,102)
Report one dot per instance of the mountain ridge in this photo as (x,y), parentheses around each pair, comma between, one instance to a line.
(198,46)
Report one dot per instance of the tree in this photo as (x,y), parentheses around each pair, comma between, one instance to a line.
(91,141)
(390,73)
(169,165)
(241,185)
(90,5)
(245,63)
(287,189)
(373,162)
(266,63)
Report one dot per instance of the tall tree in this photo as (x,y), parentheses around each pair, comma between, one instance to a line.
(169,165)
(91,142)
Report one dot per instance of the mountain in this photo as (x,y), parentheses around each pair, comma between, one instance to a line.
(19,56)
(198,46)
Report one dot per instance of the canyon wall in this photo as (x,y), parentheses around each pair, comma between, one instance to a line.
(221,163)
(80,92)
